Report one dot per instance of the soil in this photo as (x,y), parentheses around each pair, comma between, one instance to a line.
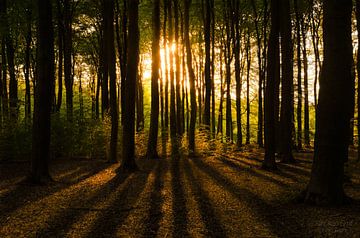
(218,193)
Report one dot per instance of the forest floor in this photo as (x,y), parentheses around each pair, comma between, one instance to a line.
(219,193)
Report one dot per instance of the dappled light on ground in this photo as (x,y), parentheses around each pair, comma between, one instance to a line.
(214,194)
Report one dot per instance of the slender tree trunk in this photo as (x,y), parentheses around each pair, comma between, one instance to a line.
(60,22)
(179,125)
(109,44)
(334,107)
(358,74)
(248,61)
(299,83)
(154,118)
(9,53)
(128,140)
(166,71)
(191,78)
(27,64)
(208,86)
(306,87)
(67,59)
(42,106)
(220,117)
(173,122)
(123,62)
(237,47)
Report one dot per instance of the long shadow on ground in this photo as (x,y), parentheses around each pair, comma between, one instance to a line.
(155,213)
(213,226)
(179,207)
(278,221)
(23,194)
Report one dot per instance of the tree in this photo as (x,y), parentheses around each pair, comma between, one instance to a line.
(299,85)
(42,105)
(270,89)
(68,74)
(334,107)
(208,85)
(155,67)
(128,138)
(287,88)
(358,71)
(109,6)
(191,78)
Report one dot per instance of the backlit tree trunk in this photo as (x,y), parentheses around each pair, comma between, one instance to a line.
(42,105)
(155,67)
(128,139)
(334,107)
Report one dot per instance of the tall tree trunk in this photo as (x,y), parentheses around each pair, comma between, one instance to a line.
(109,40)
(68,77)
(27,63)
(357,5)
(208,86)
(179,125)
(173,125)
(237,47)
(60,23)
(166,70)
(154,118)
(213,120)
(191,78)
(9,52)
(42,106)
(5,101)
(334,107)
(220,117)
(287,87)
(270,89)
(105,61)
(306,88)
(128,140)
(299,84)
(248,61)
(124,55)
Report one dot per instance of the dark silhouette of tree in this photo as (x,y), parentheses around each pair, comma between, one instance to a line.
(208,81)
(191,78)
(287,88)
(68,48)
(155,67)
(299,83)
(128,138)
(42,105)
(270,88)
(109,48)
(334,107)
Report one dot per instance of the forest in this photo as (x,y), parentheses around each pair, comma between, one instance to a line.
(179,118)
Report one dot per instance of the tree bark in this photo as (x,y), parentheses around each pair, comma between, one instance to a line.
(287,87)
(128,149)
(154,118)
(270,89)
(42,105)
(191,79)
(334,107)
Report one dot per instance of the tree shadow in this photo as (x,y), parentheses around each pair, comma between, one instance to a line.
(179,207)
(119,209)
(63,221)
(278,220)
(155,214)
(213,225)
(240,168)
(24,194)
